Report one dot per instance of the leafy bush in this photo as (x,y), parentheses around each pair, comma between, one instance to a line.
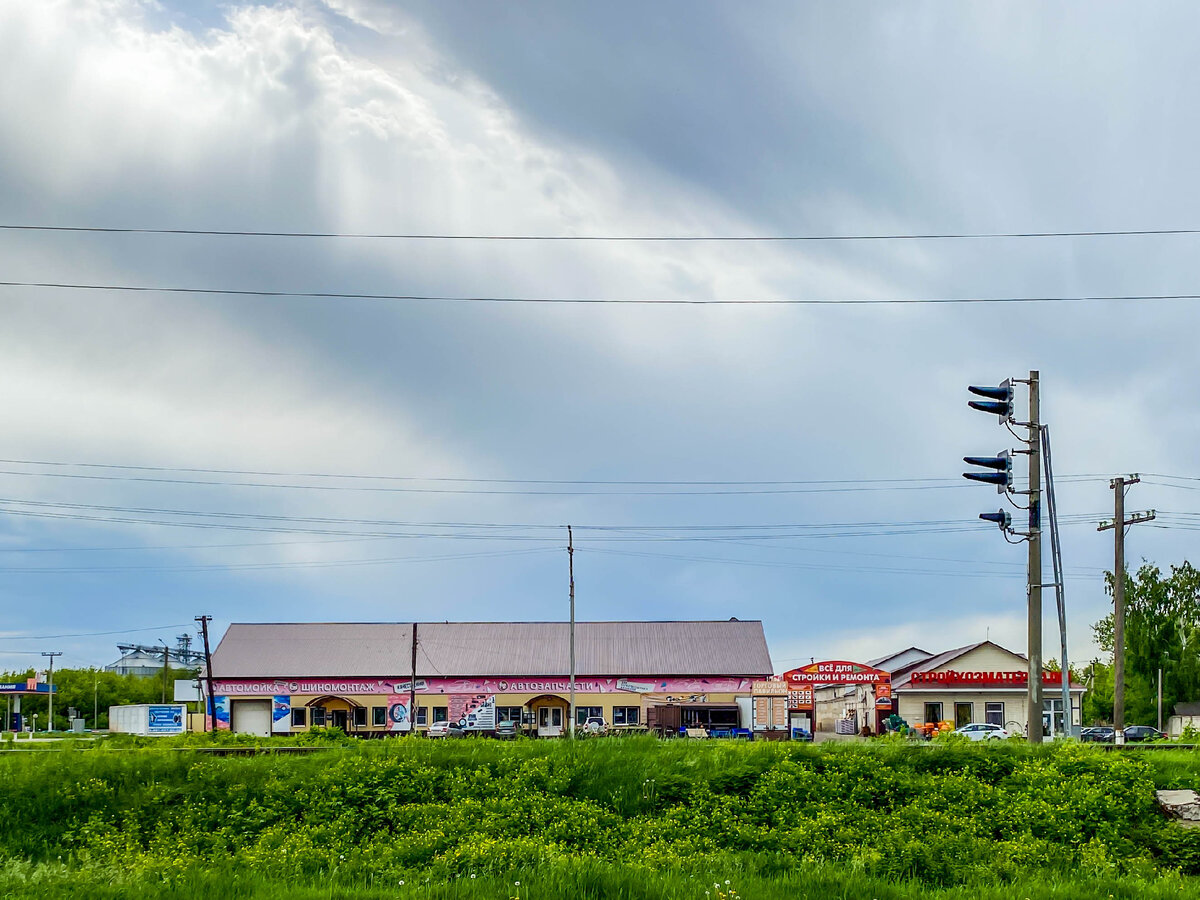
(377,813)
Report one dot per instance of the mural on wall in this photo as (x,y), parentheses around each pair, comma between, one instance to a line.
(281,714)
(473,710)
(221,711)
(398,718)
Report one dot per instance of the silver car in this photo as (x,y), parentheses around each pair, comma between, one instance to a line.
(982,731)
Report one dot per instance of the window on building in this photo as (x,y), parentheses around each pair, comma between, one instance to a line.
(378,715)
(626,715)
(583,713)
(318,716)
(299,716)
(360,717)
(422,715)
(964,713)
(994,713)
(508,714)
(440,714)
(933,712)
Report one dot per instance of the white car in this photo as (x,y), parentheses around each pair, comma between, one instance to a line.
(982,731)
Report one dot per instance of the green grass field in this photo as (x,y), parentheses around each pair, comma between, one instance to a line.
(631,818)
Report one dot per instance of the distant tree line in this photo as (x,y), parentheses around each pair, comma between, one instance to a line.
(92,692)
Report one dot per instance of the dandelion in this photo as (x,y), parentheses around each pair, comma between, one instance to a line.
(401,882)
(472,874)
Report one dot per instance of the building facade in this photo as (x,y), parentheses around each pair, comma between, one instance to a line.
(373,679)
(980,682)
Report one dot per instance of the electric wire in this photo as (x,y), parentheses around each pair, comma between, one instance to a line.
(612,301)
(630,238)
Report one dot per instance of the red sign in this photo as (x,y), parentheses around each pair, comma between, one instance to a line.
(982,679)
(883,695)
(836,671)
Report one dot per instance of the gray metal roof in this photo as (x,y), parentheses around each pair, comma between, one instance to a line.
(284,650)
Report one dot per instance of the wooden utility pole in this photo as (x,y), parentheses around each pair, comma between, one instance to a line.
(412,687)
(209,703)
(1118,524)
(571,573)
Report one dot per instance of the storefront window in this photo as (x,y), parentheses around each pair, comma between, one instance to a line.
(995,714)
(318,717)
(422,715)
(508,714)
(378,715)
(360,717)
(583,713)
(626,715)
(964,714)
(298,716)
(440,714)
(933,712)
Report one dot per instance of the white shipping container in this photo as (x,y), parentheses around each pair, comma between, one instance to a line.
(148,719)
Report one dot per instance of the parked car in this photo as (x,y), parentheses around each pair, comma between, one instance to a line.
(1142,733)
(595,725)
(982,731)
(506,730)
(1099,734)
(444,729)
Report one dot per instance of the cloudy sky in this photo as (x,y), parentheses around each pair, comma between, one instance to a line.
(172,454)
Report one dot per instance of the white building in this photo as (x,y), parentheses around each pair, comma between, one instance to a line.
(981,682)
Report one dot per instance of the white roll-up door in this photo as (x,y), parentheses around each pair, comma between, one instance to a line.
(252,717)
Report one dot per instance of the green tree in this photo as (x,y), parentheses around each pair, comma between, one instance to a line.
(1162,631)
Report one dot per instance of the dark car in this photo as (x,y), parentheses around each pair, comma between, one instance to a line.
(1100,734)
(1143,733)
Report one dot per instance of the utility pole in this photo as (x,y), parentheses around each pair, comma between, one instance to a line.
(166,663)
(1033,699)
(412,687)
(211,717)
(1118,524)
(51,654)
(1160,698)
(571,572)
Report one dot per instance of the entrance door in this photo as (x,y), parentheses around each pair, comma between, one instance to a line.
(337,718)
(550,720)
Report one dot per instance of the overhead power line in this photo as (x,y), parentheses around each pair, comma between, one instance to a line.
(613,301)
(260,473)
(52,637)
(630,238)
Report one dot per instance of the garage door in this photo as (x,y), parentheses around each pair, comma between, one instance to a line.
(252,717)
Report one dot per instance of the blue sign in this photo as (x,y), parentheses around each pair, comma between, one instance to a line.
(22,687)
(165,719)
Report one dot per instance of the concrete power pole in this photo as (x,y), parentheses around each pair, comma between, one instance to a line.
(1033,699)
(1118,525)
(50,718)
(571,572)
